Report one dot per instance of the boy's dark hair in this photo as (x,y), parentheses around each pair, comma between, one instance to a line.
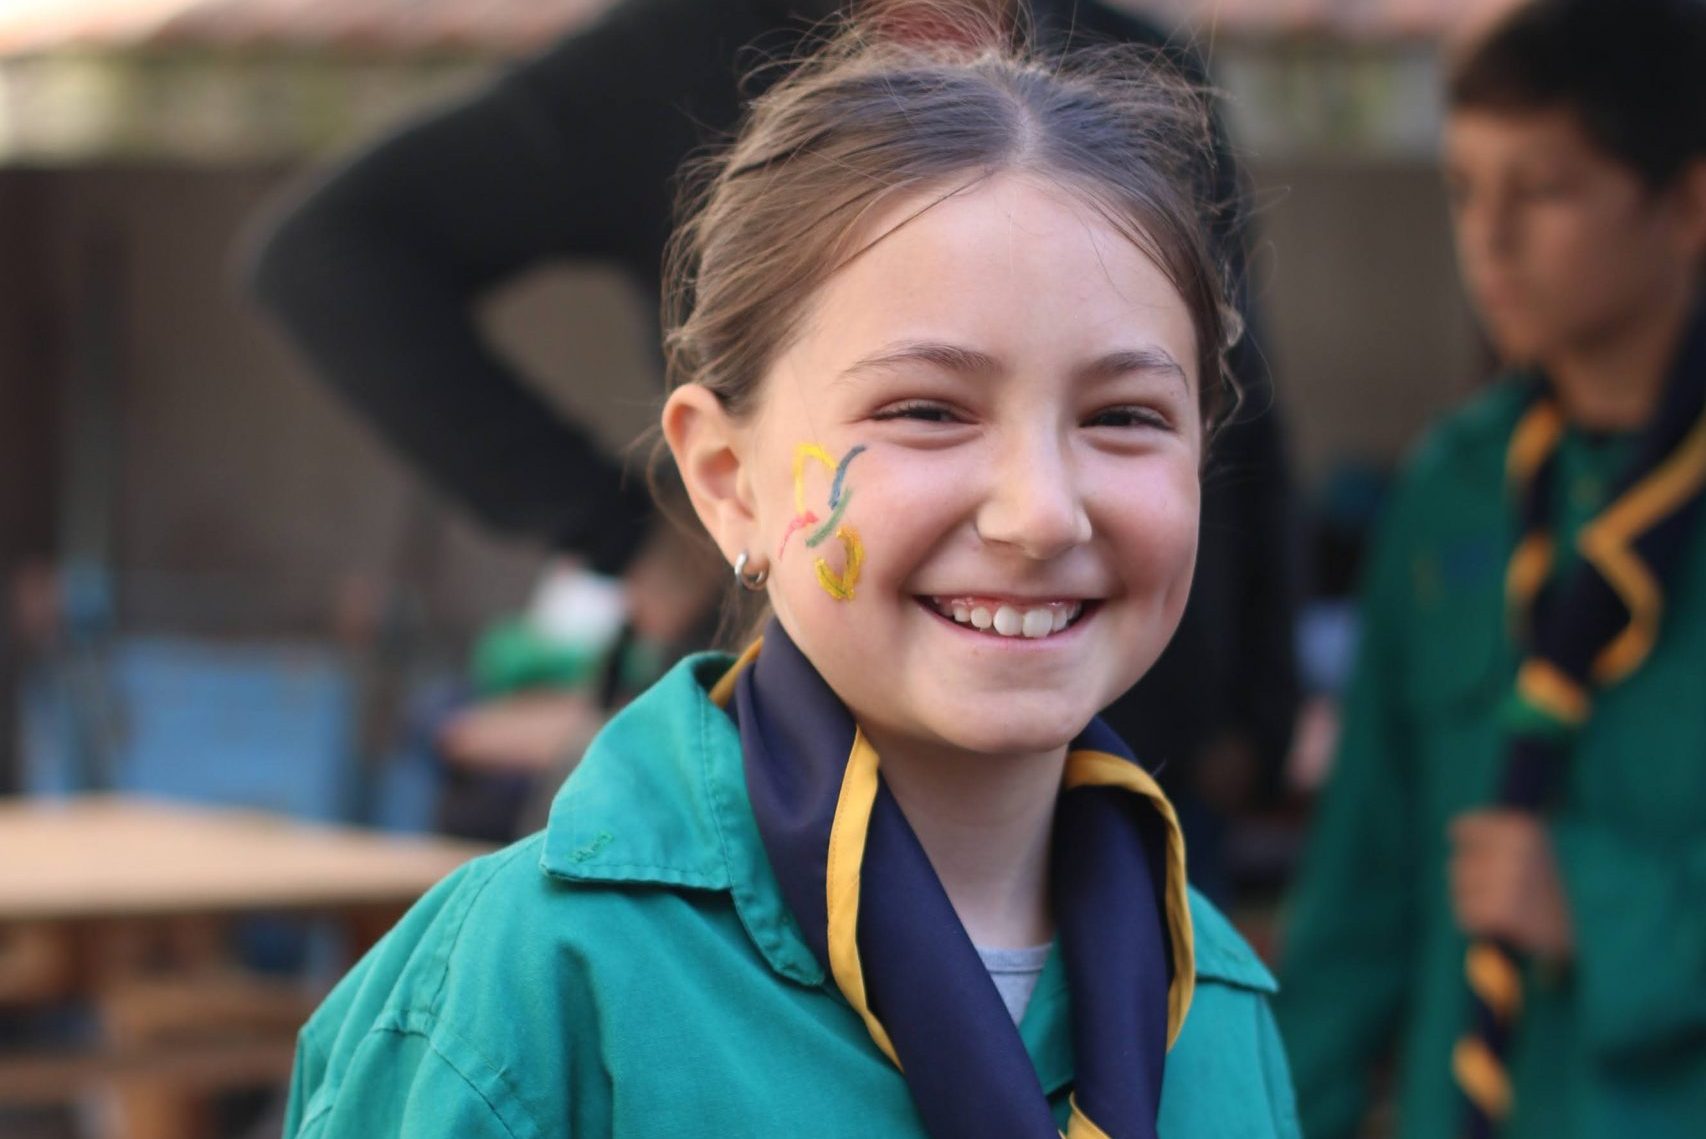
(1632,72)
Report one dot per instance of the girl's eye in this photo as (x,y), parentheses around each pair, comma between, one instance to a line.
(921,410)
(1128,417)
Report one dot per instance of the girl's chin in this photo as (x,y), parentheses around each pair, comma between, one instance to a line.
(1007,734)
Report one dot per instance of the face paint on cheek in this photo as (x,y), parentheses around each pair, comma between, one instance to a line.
(798,522)
(838,585)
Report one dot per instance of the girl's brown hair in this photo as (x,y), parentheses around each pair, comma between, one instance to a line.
(924,97)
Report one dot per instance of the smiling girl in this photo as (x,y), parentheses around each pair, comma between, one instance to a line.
(945,357)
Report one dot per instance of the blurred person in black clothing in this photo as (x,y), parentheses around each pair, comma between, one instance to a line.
(572,155)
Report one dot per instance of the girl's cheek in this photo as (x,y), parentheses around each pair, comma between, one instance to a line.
(821,540)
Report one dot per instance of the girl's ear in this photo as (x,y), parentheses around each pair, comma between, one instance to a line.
(707,447)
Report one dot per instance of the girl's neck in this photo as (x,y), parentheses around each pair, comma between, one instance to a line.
(986,822)
(1615,382)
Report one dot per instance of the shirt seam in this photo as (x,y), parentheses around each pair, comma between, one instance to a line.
(695,878)
(323,1057)
(453,942)
(401,1026)
(1276,1074)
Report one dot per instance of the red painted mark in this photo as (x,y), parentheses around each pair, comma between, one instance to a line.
(800,522)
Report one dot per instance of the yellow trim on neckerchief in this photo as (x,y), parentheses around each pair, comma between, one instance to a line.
(842,880)
(1536,434)
(1494,979)
(1482,1077)
(1547,687)
(846,853)
(1081,1126)
(847,837)
(724,690)
(1529,566)
(1099,769)
(1605,542)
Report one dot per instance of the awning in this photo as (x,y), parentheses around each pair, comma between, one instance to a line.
(226,82)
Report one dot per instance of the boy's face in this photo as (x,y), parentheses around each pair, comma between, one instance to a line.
(1561,246)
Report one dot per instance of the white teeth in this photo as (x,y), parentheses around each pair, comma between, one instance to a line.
(1011,620)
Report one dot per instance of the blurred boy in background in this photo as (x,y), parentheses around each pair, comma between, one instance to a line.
(1523,766)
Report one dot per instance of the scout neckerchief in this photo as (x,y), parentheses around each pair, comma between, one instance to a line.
(1584,632)
(873,911)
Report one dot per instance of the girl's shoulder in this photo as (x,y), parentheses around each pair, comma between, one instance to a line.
(1229,1041)
(397,1020)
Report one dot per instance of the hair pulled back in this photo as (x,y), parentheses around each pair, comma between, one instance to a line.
(911,97)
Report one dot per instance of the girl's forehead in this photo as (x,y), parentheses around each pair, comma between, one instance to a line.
(1010,259)
(1016,202)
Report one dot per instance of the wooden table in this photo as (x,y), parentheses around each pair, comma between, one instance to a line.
(125,902)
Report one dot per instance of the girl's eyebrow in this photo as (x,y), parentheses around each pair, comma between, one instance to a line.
(949,357)
(1149,358)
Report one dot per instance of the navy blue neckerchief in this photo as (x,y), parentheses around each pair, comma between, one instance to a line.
(836,838)
(1580,633)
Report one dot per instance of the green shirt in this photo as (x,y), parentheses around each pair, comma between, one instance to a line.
(1611,1044)
(633,971)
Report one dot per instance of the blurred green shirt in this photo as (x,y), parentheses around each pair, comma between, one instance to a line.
(1611,1044)
(632,971)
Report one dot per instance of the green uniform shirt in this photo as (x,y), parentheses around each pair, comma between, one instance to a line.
(1610,1044)
(633,972)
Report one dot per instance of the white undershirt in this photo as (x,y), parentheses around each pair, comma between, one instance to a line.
(1015,973)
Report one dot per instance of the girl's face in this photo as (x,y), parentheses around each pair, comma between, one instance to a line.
(990,418)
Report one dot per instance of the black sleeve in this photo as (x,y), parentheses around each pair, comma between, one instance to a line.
(375,273)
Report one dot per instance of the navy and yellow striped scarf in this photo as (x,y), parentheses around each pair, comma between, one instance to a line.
(1580,632)
(873,911)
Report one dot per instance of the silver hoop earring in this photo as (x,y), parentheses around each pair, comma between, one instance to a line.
(751,581)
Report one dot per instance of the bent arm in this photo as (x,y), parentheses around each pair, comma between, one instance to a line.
(375,273)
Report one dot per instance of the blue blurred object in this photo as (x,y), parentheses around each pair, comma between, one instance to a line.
(262,726)
(271,727)
(410,781)
(86,601)
(1327,633)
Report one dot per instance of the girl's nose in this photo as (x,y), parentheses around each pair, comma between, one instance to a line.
(1033,503)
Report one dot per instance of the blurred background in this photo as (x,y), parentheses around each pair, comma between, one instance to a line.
(224,589)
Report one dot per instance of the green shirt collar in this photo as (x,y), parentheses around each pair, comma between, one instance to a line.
(660,799)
